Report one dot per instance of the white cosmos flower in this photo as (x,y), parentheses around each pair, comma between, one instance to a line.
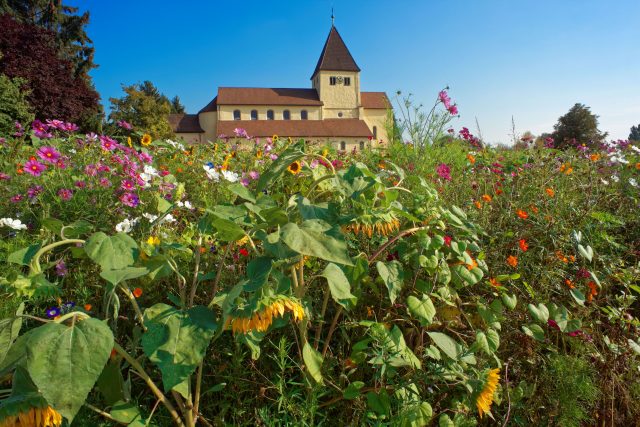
(126,225)
(633,182)
(615,178)
(604,181)
(230,176)
(635,148)
(185,204)
(211,173)
(175,144)
(151,218)
(16,224)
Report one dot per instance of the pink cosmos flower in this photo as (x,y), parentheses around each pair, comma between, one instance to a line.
(91,170)
(444,98)
(241,133)
(56,124)
(69,127)
(61,163)
(254,175)
(124,125)
(4,177)
(444,171)
(104,182)
(34,191)
(65,194)
(107,143)
(130,199)
(34,167)
(48,154)
(91,137)
(80,184)
(127,185)
(453,110)
(145,158)
(41,130)
(19,130)
(17,198)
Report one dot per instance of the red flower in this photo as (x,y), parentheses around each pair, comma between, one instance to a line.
(244,252)
(523,245)
(137,292)
(447,240)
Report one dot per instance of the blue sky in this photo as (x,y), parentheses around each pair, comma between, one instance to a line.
(530,59)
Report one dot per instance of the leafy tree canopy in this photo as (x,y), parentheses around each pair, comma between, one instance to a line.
(55,91)
(72,41)
(578,126)
(13,104)
(634,135)
(146,108)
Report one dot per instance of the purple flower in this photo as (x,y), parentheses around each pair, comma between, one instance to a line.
(65,194)
(245,182)
(127,185)
(273,156)
(104,182)
(53,312)
(56,124)
(444,171)
(4,177)
(41,130)
(69,127)
(108,144)
(48,154)
(254,175)
(17,198)
(34,167)
(34,191)
(130,199)
(80,184)
(91,137)
(241,133)
(61,269)
(124,125)
(19,130)
(145,158)
(91,170)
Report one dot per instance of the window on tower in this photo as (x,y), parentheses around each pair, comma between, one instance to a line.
(343,145)
(286,115)
(347,81)
(361,145)
(332,80)
(254,114)
(269,114)
(375,132)
(236,114)
(304,115)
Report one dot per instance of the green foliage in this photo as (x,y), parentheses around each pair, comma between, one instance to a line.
(13,104)
(578,126)
(634,133)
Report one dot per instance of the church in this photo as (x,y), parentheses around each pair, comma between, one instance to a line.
(333,111)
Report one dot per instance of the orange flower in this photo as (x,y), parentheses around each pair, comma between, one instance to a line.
(534,209)
(19,169)
(179,170)
(523,245)
(473,264)
(561,257)
(512,261)
(638,165)
(566,168)
(471,159)
(594,157)
(202,249)
(494,282)
(572,258)
(478,204)
(87,307)
(137,292)
(569,283)
(593,291)
(486,198)
(550,192)
(498,192)
(522,214)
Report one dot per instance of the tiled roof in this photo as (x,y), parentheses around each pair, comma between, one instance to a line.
(267,96)
(185,123)
(375,100)
(297,128)
(335,56)
(212,106)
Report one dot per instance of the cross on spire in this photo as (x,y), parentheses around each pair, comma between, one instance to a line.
(333,18)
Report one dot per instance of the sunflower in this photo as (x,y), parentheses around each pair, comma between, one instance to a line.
(146,139)
(274,138)
(485,398)
(381,224)
(295,167)
(34,417)
(262,320)
(129,142)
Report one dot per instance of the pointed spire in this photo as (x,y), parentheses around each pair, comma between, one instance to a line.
(335,56)
(333,19)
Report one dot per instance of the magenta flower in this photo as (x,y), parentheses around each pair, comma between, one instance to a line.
(127,185)
(104,182)
(19,130)
(453,110)
(34,167)
(4,177)
(41,130)
(17,198)
(254,175)
(69,127)
(241,133)
(245,182)
(444,171)
(130,199)
(48,154)
(56,124)
(107,143)
(65,194)
(145,158)
(91,170)
(80,184)
(61,163)
(34,191)
(61,269)
(124,125)
(444,98)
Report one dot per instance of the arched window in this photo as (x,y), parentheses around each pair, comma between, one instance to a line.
(286,115)
(236,114)
(343,145)
(361,145)
(254,114)
(304,115)
(375,132)
(269,114)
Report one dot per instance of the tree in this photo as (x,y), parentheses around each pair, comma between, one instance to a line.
(176,106)
(13,104)
(72,41)
(55,91)
(578,126)
(145,108)
(634,135)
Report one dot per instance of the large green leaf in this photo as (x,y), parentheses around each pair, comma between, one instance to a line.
(111,383)
(461,276)
(393,276)
(395,345)
(242,191)
(416,415)
(338,285)
(23,256)
(445,343)
(116,276)
(111,252)
(65,361)
(226,230)
(313,362)
(258,271)
(423,309)
(315,238)
(176,341)
(127,413)
(9,331)
(276,168)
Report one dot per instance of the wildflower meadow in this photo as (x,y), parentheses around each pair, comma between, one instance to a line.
(270,281)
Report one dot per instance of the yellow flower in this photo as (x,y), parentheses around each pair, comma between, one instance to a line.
(274,138)
(295,167)
(485,398)
(35,417)
(242,241)
(153,240)
(259,154)
(383,227)
(129,142)
(325,152)
(262,320)
(146,139)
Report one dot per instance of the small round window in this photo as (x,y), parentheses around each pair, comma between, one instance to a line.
(340,114)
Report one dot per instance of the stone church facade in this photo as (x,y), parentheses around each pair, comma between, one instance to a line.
(333,111)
